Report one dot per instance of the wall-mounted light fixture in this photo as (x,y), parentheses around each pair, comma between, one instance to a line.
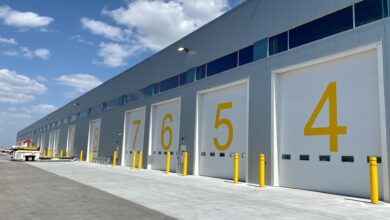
(183,49)
(76,103)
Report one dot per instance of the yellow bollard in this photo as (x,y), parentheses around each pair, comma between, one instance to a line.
(134,159)
(62,153)
(168,163)
(67,153)
(48,153)
(44,153)
(235,170)
(114,159)
(261,170)
(140,160)
(90,157)
(81,156)
(374,180)
(185,159)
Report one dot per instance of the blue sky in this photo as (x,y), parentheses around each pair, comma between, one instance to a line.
(53,51)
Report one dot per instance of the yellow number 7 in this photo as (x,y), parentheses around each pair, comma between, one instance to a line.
(333,130)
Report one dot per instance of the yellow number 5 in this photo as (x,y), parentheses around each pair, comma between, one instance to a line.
(333,130)
(166,129)
(223,121)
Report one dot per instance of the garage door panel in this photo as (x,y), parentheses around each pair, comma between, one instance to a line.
(94,138)
(134,134)
(165,133)
(351,81)
(223,130)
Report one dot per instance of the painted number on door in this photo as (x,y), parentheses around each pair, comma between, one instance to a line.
(225,122)
(165,129)
(333,130)
(137,123)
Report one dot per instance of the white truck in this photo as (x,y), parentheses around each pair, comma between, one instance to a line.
(26,152)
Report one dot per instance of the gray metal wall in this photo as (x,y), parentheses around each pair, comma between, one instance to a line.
(252,21)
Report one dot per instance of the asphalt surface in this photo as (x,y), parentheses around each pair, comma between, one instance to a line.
(27,192)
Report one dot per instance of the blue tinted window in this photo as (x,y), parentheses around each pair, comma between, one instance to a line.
(148,91)
(323,27)
(169,83)
(200,72)
(222,64)
(278,43)
(370,10)
(135,96)
(156,88)
(124,100)
(260,49)
(95,110)
(245,55)
(187,77)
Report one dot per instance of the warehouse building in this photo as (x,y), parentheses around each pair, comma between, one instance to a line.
(306,82)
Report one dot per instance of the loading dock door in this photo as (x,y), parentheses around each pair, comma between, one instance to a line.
(53,141)
(94,138)
(165,133)
(134,134)
(70,140)
(328,123)
(222,130)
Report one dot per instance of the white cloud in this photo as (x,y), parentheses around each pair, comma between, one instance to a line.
(23,20)
(103,29)
(14,119)
(157,23)
(17,88)
(10,53)
(42,53)
(38,109)
(81,40)
(10,41)
(26,52)
(79,83)
(41,78)
(114,54)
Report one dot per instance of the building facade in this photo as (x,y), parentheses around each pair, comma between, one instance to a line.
(306,82)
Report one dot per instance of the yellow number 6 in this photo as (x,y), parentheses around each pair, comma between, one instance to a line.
(223,121)
(166,129)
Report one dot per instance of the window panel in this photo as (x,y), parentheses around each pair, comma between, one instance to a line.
(222,64)
(246,55)
(334,23)
(148,91)
(124,100)
(156,88)
(169,83)
(278,43)
(135,96)
(370,10)
(187,77)
(201,72)
(260,49)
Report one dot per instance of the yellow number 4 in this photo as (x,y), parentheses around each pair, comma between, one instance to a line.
(333,130)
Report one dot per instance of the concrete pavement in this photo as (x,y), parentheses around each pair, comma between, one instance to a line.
(195,197)
(27,192)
